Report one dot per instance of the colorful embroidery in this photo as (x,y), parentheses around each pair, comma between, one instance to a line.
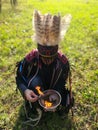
(62,57)
(33,54)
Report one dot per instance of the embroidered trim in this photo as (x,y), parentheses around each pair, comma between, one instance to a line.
(31,55)
(47,51)
(62,58)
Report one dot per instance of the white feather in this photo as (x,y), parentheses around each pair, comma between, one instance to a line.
(65,23)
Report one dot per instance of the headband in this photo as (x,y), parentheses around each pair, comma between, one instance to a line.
(47,51)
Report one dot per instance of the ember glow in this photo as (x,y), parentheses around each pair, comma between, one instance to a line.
(48,104)
(39,91)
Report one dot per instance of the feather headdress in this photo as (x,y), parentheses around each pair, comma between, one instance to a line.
(49,29)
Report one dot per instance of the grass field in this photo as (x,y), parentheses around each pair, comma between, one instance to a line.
(81,47)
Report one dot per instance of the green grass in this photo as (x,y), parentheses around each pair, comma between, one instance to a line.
(81,47)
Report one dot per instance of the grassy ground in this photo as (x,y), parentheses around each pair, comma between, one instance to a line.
(81,47)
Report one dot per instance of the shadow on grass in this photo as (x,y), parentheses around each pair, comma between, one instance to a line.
(49,121)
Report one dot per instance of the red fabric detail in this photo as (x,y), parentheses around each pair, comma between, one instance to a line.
(62,58)
(31,55)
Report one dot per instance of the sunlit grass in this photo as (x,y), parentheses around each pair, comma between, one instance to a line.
(80,45)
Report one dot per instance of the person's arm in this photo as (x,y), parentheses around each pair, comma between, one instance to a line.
(21,81)
(65,65)
(66,71)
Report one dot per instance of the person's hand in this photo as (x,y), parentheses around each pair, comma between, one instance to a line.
(30,95)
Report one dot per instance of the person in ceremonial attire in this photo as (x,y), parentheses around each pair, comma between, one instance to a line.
(45,66)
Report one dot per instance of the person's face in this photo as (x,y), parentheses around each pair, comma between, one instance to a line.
(47,60)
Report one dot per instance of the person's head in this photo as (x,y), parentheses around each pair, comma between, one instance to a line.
(48,34)
(47,53)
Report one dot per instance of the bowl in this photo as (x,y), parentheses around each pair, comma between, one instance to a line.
(50,100)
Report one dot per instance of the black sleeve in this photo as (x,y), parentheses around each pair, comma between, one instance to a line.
(65,74)
(61,83)
(21,79)
(66,71)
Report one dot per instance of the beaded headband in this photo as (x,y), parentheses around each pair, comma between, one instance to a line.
(47,51)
